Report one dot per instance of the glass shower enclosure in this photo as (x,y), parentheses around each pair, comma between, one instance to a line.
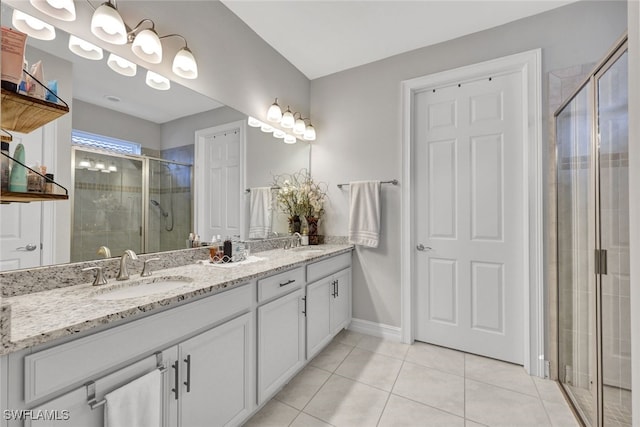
(594,336)
(128,202)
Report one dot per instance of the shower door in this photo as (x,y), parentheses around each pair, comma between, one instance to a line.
(594,339)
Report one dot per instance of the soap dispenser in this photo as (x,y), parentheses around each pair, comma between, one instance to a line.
(18,178)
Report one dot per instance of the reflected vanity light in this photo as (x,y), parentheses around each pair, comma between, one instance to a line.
(84,163)
(290,139)
(63,10)
(121,65)
(92,166)
(100,165)
(107,24)
(32,26)
(277,133)
(84,49)
(253,122)
(156,81)
(112,167)
(266,128)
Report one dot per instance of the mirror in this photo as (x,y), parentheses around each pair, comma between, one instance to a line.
(162,122)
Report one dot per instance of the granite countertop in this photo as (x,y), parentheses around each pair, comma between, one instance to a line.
(39,317)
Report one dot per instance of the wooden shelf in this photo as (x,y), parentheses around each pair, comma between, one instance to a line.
(9,197)
(22,113)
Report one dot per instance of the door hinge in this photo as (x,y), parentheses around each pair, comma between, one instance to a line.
(601,261)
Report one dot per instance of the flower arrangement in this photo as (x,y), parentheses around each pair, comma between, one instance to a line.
(300,196)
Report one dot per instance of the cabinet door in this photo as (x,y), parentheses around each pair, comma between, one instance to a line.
(216,371)
(319,297)
(281,332)
(341,301)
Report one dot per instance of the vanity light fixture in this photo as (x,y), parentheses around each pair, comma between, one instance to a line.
(146,44)
(277,133)
(299,126)
(92,166)
(253,122)
(290,139)
(63,10)
(274,114)
(157,81)
(287,120)
(84,48)
(184,63)
(112,167)
(100,165)
(84,163)
(121,65)
(309,133)
(107,24)
(32,26)
(266,128)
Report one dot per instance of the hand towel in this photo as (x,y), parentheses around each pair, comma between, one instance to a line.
(364,213)
(136,404)
(260,212)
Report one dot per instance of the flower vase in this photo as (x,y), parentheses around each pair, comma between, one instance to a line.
(312,223)
(294,224)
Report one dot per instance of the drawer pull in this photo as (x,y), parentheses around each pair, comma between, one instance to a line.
(175,390)
(288,282)
(188,381)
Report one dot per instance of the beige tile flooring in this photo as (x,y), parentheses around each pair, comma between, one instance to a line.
(359,380)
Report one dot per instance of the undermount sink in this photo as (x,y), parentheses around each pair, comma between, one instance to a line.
(305,250)
(142,289)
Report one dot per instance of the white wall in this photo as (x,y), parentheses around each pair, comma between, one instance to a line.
(103,121)
(634,198)
(236,67)
(180,132)
(359,112)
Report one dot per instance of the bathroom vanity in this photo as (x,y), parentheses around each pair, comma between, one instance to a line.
(226,339)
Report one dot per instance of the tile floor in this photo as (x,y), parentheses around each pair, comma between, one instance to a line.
(359,380)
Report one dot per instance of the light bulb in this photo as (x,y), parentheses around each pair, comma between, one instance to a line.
(290,139)
(309,133)
(32,26)
(287,119)
(63,10)
(146,45)
(84,49)
(107,24)
(157,81)
(299,126)
(121,65)
(184,64)
(274,114)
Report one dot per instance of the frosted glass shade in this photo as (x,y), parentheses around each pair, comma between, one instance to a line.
(147,46)
(277,133)
(309,133)
(274,114)
(253,122)
(32,26)
(84,49)
(266,128)
(157,81)
(63,10)
(107,24)
(299,126)
(184,64)
(290,139)
(121,65)
(287,119)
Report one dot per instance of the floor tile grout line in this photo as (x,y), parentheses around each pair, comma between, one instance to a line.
(427,405)
(503,388)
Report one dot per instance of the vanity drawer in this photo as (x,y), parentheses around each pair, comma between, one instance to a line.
(280,284)
(328,266)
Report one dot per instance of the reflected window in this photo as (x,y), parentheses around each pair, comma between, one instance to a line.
(92,140)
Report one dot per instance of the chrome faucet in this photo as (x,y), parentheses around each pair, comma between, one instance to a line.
(123,274)
(99,278)
(298,239)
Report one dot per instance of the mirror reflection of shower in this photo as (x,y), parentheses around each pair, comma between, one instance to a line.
(166,215)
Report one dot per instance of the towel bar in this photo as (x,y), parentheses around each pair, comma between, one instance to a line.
(392,181)
(91,386)
(248,190)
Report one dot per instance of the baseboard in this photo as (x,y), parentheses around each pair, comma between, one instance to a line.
(381,330)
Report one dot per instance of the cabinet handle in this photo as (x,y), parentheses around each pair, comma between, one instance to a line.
(288,282)
(333,288)
(337,288)
(304,311)
(175,390)
(188,381)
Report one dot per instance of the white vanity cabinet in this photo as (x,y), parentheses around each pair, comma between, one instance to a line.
(328,301)
(281,331)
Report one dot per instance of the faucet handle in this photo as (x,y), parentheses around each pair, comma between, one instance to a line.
(99,277)
(146,271)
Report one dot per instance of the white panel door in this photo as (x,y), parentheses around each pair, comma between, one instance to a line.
(220,163)
(20,223)
(470,217)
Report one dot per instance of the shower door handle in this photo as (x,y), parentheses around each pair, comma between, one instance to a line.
(29,248)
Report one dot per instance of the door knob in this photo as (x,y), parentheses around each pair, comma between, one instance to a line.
(423,248)
(30,247)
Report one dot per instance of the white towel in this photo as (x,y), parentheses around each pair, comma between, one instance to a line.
(260,212)
(136,404)
(364,213)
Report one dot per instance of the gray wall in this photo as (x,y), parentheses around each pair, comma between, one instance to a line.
(235,66)
(358,114)
(103,121)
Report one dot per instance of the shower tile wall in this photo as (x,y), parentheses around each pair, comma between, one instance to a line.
(107,211)
(183,197)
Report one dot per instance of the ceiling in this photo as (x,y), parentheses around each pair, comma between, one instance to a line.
(321,37)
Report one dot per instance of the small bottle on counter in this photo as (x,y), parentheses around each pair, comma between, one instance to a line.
(228,250)
(190,241)
(49,187)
